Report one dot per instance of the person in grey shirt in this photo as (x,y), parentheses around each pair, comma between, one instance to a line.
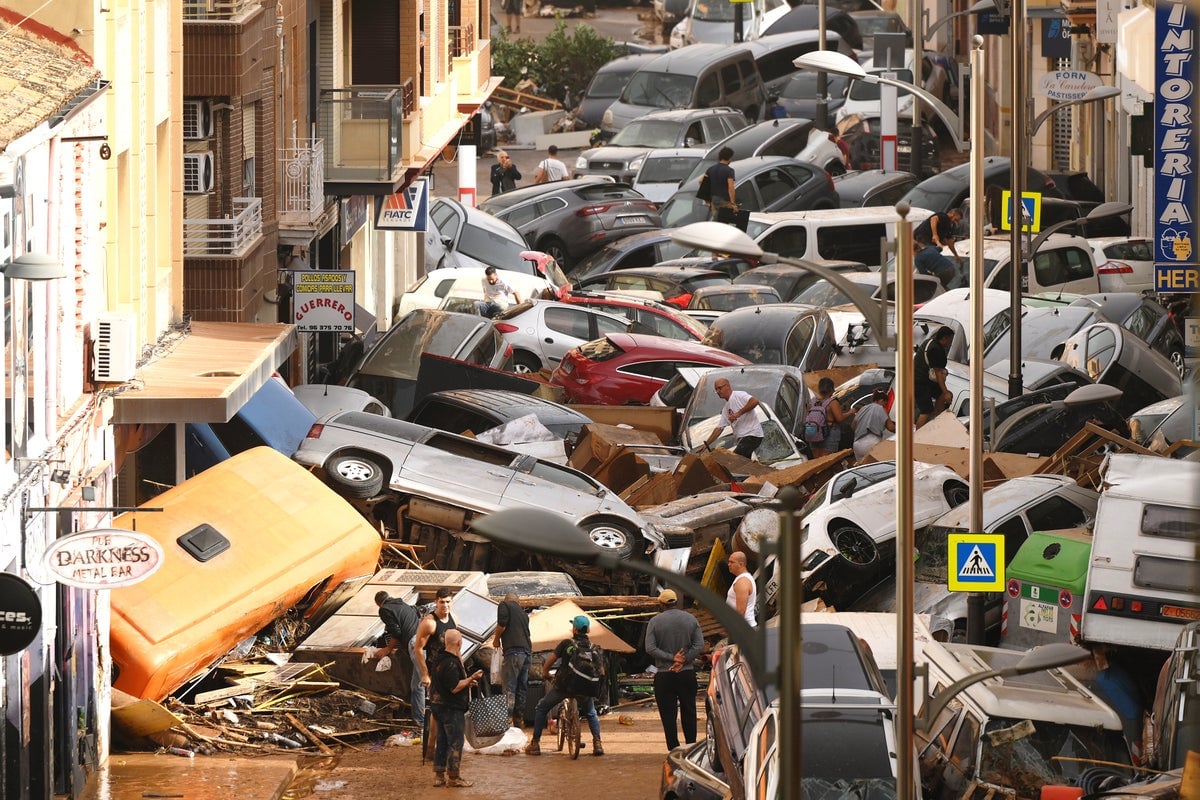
(673,640)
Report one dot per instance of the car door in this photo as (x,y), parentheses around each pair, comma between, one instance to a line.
(777,189)
(445,225)
(1068,269)
(542,484)
(562,328)
(458,471)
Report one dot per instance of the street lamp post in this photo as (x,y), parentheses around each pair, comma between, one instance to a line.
(839,64)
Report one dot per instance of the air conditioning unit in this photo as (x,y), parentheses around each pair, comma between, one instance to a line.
(197,119)
(114,349)
(197,173)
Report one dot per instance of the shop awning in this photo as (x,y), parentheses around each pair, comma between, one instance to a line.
(206,376)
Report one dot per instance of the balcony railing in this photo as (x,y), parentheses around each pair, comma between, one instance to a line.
(361,126)
(217,10)
(229,237)
(303,169)
(462,40)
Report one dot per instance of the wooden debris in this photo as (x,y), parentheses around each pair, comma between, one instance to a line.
(1080,458)
(308,734)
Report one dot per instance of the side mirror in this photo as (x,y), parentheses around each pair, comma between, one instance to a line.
(848,489)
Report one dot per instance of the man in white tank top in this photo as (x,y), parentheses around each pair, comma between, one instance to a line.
(743,594)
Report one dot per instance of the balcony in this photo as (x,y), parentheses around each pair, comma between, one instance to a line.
(218,10)
(362,130)
(231,237)
(302,167)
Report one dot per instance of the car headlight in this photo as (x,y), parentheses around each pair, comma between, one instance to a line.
(815,559)
(636,163)
(581,163)
(606,120)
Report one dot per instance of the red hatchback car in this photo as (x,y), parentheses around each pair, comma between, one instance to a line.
(628,368)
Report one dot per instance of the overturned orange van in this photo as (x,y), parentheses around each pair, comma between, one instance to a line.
(244,542)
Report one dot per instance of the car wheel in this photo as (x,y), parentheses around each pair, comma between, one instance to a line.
(557,250)
(956,494)
(710,743)
(610,537)
(854,545)
(1177,361)
(525,363)
(355,476)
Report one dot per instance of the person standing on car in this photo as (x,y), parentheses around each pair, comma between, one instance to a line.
(737,412)
(743,592)
(496,294)
(673,640)
(550,168)
(504,173)
(869,424)
(400,622)
(723,199)
(512,631)
(561,689)
(929,260)
(938,229)
(929,375)
(827,407)
(451,691)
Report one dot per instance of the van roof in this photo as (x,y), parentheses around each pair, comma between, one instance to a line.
(850,216)
(687,59)
(1151,478)
(1050,695)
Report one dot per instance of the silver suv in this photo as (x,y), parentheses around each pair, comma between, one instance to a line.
(622,157)
(357,453)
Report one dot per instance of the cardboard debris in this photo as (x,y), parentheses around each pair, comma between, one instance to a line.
(142,717)
(996,466)
(806,476)
(944,430)
(549,627)
(839,375)
(659,421)
(655,490)
(621,470)
(598,442)
(1082,455)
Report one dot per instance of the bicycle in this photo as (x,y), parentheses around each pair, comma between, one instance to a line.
(568,724)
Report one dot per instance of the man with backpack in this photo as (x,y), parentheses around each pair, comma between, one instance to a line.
(580,675)
(823,423)
(400,621)
(738,413)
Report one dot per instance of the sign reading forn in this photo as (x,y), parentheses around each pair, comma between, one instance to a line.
(104,558)
(1066,85)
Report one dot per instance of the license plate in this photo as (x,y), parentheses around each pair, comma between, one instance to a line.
(568,367)
(902,148)
(633,219)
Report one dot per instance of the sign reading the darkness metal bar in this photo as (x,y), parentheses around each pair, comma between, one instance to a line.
(1176,266)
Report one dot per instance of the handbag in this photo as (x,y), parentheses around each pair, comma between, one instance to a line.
(488,714)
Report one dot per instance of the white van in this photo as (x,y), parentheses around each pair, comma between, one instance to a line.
(1143,583)
(846,234)
(1002,738)
(1063,263)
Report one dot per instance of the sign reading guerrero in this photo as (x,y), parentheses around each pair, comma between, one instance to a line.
(323,301)
(1176,267)
(104,558)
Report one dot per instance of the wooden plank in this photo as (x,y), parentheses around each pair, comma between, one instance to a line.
(312,737)
(144,717)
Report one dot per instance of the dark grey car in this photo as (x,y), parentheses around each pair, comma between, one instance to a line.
(1142,317)
(763,183)
(573,219)
(786,333)
(477,410)
(607,85)
(872,187)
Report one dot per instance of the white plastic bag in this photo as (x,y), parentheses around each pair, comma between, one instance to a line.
(368,653)
(513,741)
(384,664)
(497,670)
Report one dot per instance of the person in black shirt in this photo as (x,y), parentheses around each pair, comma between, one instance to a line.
(560,690)
(723,200)
(512,631)
(451,699)
(400,621)
(929,375)
(431,636)
(938,229)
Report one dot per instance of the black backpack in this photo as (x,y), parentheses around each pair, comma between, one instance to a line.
(583,671)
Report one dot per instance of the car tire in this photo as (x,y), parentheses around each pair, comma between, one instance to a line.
(354,476)
(555,248)
(955,493)
(854,545)
(526,363)
(609,536)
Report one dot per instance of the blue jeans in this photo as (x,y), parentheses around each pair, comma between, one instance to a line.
(516,679)
(416,689)
(451,731)
(587,708)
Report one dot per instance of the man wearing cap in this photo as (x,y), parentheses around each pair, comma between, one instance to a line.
(673,640)
(559,691)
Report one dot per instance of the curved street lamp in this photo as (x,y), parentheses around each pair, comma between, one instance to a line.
(719,237)
(840,64)
(982,7)
(1047,656)
(1093,95)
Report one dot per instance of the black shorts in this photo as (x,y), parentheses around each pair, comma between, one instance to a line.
(925,399)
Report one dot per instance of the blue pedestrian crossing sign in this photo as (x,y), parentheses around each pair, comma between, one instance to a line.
(1031,211)
(975,562)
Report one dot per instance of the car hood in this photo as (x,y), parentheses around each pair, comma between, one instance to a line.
(623,154)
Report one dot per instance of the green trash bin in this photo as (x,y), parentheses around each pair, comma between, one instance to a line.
(1044,598)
